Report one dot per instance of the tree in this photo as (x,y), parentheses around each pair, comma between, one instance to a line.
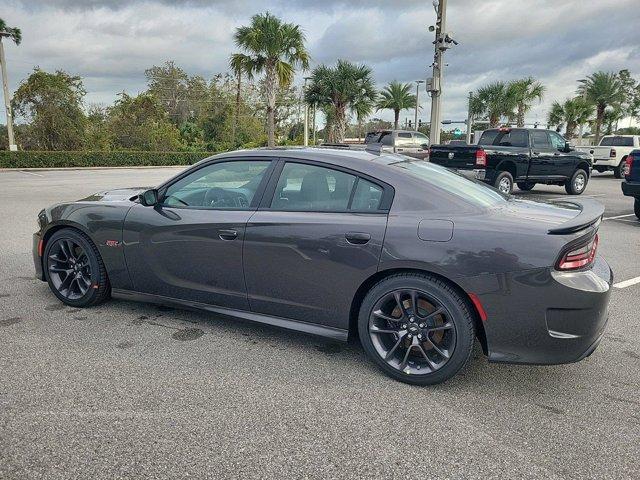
(52,104)
(397,97)
(631,92)
(602,89)
(339,90)
(274,48)
(523,93)
(494,101)
(573,113)
(14,34)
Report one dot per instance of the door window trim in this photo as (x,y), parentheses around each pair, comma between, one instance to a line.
(267,198)
(255,201)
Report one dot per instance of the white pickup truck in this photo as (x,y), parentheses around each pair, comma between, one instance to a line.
(612,152)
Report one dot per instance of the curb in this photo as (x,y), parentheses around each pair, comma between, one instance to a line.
(62,169)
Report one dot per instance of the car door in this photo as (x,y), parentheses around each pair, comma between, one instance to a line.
(564,162)
(189,246)
(315,239)
(422,146)
(542,153)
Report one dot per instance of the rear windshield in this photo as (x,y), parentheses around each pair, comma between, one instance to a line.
(475,193)
(505,138)
(617,142)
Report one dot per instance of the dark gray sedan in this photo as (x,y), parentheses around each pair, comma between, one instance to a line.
(413,259)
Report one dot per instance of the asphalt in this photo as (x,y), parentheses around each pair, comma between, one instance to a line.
(130,390)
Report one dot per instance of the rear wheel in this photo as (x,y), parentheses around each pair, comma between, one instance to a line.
(74,269)
(636,207)
(577,183)
(504,183)
(416,328)
(618,172)
(526,186)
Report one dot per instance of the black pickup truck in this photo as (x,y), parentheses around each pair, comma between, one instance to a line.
(526,156)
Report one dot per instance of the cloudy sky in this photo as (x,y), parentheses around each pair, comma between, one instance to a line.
(110,43)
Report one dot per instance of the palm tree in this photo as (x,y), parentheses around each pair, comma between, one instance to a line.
(574,112)
(339,90)
(495,101)
(275,48)
(602,89)
(12,33)
(524,92)
(396,96)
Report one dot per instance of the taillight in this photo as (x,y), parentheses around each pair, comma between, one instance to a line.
(481,158)
(579,256)
(627,165)
(612,153)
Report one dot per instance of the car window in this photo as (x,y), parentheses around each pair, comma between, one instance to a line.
(505,138)
(404,140)
(304,187)
(421,139)
(623,142)
(367,196)
(540,139)
(224,185)
(557,141)
(606,142)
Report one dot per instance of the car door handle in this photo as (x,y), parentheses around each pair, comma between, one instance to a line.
(357,238)
(399,149)
(227,234)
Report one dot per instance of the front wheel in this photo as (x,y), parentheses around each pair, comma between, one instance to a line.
(636,207)
(618,172)
(577,183)
(416,328)
(74,269)
(504,183)
(526,186)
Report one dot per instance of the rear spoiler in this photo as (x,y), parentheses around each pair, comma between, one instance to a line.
(590,214)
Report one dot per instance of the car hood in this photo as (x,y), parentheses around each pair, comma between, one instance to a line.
(115,195)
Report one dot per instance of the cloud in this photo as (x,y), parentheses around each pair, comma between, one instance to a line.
(110,43)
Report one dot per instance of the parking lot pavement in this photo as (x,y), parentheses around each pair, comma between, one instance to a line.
(133,390)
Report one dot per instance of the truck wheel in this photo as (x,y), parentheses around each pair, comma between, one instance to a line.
(577,183)
(618,172)
(526,186)
(504,183)
(636,207)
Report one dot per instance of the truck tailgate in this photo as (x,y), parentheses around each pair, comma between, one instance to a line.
(462,157)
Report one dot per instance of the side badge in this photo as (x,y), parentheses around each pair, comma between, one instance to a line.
(112,243)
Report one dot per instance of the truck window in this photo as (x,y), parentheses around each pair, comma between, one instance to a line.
(505,138)
(421,139)
(540,139)
(606,142)
(557,141)
(623,141)
(404,140)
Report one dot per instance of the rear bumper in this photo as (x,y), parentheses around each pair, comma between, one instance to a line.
(545,317)
(37,260)
(631,189)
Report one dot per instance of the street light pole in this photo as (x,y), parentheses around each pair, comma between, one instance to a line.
(418,82)
(442,42)
(7,98)
(469,120)
(306,113)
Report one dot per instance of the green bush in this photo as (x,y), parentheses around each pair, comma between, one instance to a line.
(56,159)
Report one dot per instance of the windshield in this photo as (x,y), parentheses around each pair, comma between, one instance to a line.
(475,193)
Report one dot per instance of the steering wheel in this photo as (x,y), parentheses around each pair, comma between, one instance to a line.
(217,197)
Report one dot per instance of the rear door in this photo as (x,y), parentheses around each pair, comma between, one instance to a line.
(316,237)
(542,155)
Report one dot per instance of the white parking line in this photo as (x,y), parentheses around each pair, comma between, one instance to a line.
(31,173)
(619,216)
(627,283)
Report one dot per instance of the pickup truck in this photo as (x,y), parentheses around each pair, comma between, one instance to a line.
(407,142)
(526,156)
(631,183)
(611,152)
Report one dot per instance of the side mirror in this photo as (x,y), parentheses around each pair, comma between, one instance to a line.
(568,147)
(424,146)
(149,198)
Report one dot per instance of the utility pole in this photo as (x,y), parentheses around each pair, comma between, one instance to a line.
(313,125)
(7,96)
(469,120)
(442,42)
(418,82)
(306,113)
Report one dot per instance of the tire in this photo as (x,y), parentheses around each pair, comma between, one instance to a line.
(504,183)
(91,285)
(636,207)
(618,172)
(414,350)
(526,186)
(577,184)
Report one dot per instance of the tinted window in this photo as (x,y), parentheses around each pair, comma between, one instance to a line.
(623,142)
(505,138)
(404,140)
(557,141)
(367,196)
(540,139)
(443,178)
(226,185)
(606,142)
(312,188)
